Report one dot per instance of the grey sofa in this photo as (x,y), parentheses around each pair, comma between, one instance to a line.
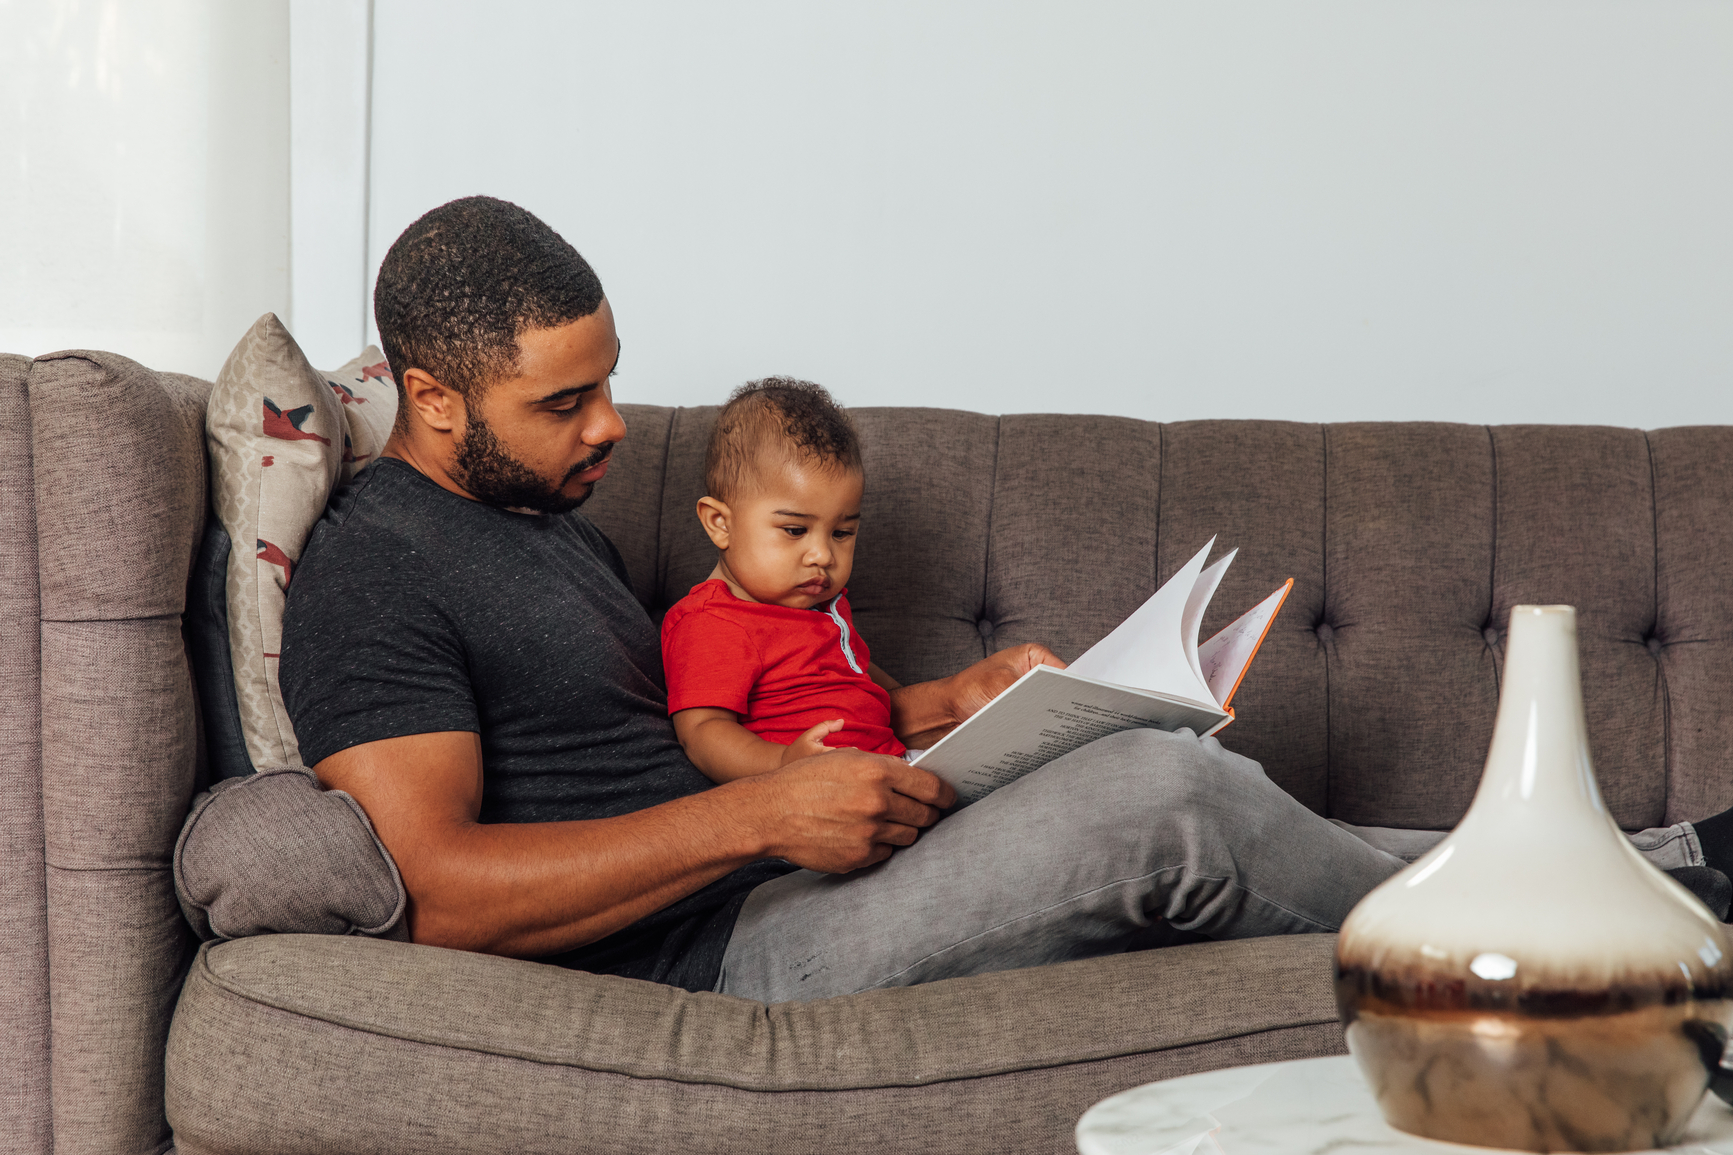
(1372,701)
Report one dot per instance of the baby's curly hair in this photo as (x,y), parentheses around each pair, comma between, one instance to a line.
(797,418)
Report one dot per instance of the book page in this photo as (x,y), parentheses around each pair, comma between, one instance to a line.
(1045,714)
(1148,649)
(1225,657)
(1195,605)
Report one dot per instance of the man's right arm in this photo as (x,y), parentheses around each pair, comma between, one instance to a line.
(529,889)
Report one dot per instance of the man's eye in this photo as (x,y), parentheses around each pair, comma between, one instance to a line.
(794,530)
(843,534)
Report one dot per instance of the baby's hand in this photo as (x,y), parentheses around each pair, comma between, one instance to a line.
(811,742)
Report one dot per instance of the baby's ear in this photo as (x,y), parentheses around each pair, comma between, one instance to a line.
(714,516)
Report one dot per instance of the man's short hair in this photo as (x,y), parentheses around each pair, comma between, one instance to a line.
(775,419)
(459,286)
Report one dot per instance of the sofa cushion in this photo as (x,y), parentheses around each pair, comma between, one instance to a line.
(1694,606)
(273,853)
(119,495)
(282,435)
(408,1048)
(25,1091)
(207,630)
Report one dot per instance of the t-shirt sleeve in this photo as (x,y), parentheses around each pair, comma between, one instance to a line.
(709,661)
(368,654)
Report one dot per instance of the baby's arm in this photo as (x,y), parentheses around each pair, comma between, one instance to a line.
(725,750)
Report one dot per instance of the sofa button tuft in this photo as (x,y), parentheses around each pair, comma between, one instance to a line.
(985,627)
(1654,644)
(1490,633)
(1325,631)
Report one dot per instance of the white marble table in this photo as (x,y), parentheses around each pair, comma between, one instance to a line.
(1303,1107)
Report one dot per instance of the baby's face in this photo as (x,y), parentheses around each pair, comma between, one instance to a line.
(791,534)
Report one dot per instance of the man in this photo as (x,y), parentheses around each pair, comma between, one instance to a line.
(463,656)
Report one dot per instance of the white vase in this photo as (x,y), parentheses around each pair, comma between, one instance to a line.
(1533,982)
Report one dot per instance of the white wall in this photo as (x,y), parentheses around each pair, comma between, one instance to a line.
(144,178)
(1475,210)
(330,83)
(1478,210)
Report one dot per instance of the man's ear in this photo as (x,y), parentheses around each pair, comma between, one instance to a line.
(714,516)
(438,406)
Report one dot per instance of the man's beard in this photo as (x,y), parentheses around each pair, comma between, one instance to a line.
(485,468)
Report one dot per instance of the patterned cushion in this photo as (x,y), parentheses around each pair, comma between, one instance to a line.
(282,436)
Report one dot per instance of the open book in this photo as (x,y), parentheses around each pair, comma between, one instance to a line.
(1149,673)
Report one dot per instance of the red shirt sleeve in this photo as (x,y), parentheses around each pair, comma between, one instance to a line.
(709,661)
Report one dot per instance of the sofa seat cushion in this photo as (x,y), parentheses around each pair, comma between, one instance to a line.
(396,1047)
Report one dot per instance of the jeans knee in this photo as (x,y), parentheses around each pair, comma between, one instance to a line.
(1170,770)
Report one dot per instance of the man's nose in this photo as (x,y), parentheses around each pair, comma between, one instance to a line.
(819,553)
(608,427)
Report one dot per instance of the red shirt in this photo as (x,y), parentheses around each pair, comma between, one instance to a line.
(783,671)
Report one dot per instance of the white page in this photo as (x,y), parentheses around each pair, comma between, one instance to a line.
(1195,605)
(1148,649)
(1225,656)
(1044,714)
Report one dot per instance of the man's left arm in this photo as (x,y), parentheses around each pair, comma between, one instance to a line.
(923,713)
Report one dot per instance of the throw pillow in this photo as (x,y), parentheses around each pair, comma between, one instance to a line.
(274,854)
(282,436)
(207,633)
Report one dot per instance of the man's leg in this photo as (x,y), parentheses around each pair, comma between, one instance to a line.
(1084,857)
(1078,859)
(1676,849)
(1672,847)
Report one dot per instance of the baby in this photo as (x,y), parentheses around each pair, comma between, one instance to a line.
(763,662)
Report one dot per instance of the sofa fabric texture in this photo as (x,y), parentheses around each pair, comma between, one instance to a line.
(25,1074)
(273,853)
(576,1062)
(104,499)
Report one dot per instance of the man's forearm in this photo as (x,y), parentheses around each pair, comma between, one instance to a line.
(531,888)
(528,889)
(541,888)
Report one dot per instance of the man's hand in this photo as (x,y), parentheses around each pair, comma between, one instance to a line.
(844,809)
(922,714)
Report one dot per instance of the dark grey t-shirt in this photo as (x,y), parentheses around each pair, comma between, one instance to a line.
(413,611)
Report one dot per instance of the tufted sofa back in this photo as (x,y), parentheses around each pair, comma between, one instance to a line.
(1373,698)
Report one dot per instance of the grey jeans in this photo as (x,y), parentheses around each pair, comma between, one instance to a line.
(1137,840)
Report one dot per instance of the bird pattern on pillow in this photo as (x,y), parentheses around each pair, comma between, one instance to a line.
(282,437)
(286,426)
